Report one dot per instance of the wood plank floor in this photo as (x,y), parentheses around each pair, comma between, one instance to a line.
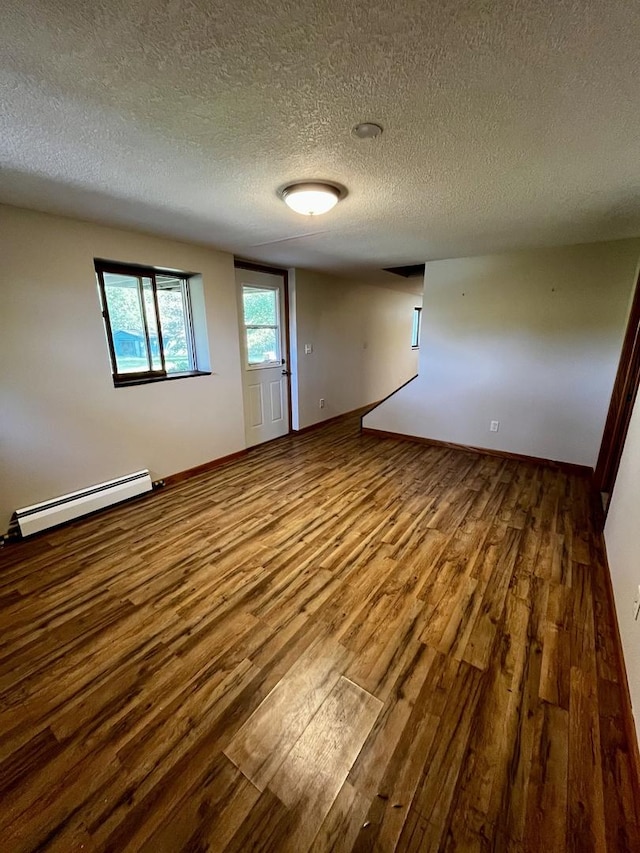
(338,642)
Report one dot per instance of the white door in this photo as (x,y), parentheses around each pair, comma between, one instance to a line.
(265,371)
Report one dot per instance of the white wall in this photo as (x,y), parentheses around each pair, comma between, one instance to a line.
(531,339)
(361,339)
(63,425)
(622,537)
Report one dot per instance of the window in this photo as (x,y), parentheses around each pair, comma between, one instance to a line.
(149,323)
(415,332)
(262,327)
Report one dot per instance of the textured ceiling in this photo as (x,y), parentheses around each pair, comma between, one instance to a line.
(508,123)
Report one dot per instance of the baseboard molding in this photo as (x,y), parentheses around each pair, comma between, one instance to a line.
(569,467)
(361,411)
(627,711)
(172,479)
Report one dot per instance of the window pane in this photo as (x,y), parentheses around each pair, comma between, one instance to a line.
(415,335)
(127,324)
(262,346)
(149,321)
(175,339)
(152,323)
(260,306)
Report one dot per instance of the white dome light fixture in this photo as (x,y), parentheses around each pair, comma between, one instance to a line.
(367,130)
(312,198)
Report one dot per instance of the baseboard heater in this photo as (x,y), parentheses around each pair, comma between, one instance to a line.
(33,519)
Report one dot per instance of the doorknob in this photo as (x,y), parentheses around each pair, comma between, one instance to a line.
(286,373)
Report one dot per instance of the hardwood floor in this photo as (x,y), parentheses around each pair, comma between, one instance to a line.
(338,642)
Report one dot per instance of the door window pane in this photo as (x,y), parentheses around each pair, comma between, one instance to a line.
(262,345)
(261,323)
(260,307)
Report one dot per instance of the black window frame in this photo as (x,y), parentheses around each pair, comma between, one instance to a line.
(416,326)
(139,272)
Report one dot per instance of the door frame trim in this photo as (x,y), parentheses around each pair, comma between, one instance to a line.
(623,397)
(241,264)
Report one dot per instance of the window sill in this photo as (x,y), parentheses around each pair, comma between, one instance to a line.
(126,383)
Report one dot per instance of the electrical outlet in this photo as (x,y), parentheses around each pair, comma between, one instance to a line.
(308,349)
(322,402)
(636,605)
(494,426)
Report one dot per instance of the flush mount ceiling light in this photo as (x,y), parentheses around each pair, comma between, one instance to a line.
(311,198)
(367,130)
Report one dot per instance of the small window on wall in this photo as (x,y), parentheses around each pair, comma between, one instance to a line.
(415,333)
(148,320)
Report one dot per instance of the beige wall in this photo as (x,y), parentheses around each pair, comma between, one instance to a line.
(361,339)
(531,339)
(622,537)
(63,425)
